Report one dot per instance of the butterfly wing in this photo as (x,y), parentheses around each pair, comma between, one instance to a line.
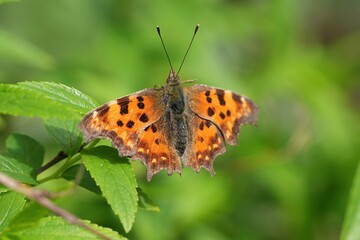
(215,116)
(205,143)
(156,150)
(226,109)
(122,120)
(136,127)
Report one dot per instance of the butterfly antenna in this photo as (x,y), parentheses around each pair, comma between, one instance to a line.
(192,39)
(166,52)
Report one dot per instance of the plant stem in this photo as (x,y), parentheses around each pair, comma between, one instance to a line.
(70,161)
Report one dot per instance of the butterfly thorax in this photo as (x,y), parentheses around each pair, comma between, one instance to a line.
(175,102)
(174,95)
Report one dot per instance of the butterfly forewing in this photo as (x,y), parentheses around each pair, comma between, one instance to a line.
(227,110)
(122,120)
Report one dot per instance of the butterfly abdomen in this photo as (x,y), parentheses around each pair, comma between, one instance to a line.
(180,134)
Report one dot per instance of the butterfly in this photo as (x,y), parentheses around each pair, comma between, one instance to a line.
(162,126)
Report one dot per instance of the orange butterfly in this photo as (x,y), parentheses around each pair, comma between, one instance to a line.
(160,126)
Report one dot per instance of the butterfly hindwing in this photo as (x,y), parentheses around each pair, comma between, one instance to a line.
(205,143)
(122,120)
(156,151)
(226,109)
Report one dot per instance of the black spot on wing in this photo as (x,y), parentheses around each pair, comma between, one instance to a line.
(102,110)
(222,115)
(141,105)
(153,128)
(201,126)
(130,124)
(124,105)
(210,112)
(144,118)
(236,98)
(120,123)
(220,94)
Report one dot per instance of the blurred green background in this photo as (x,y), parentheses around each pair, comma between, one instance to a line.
(299,61)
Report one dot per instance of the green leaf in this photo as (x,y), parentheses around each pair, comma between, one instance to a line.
(86,182)
(145,202)
(66,133)
(19,50)
(116,179)
(56,228)
(16,169)
(45,100)
(351,226)
(18,101)
(3,189)
(69,97)
(10,204)
(30,214)
(60,106)
(26,150)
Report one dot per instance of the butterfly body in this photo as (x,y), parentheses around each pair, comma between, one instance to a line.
(175,113)
(172,126)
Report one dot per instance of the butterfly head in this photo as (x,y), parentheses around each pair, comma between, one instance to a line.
(173,79)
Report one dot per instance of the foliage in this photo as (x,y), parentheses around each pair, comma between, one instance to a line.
(23,156)
(290,178)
